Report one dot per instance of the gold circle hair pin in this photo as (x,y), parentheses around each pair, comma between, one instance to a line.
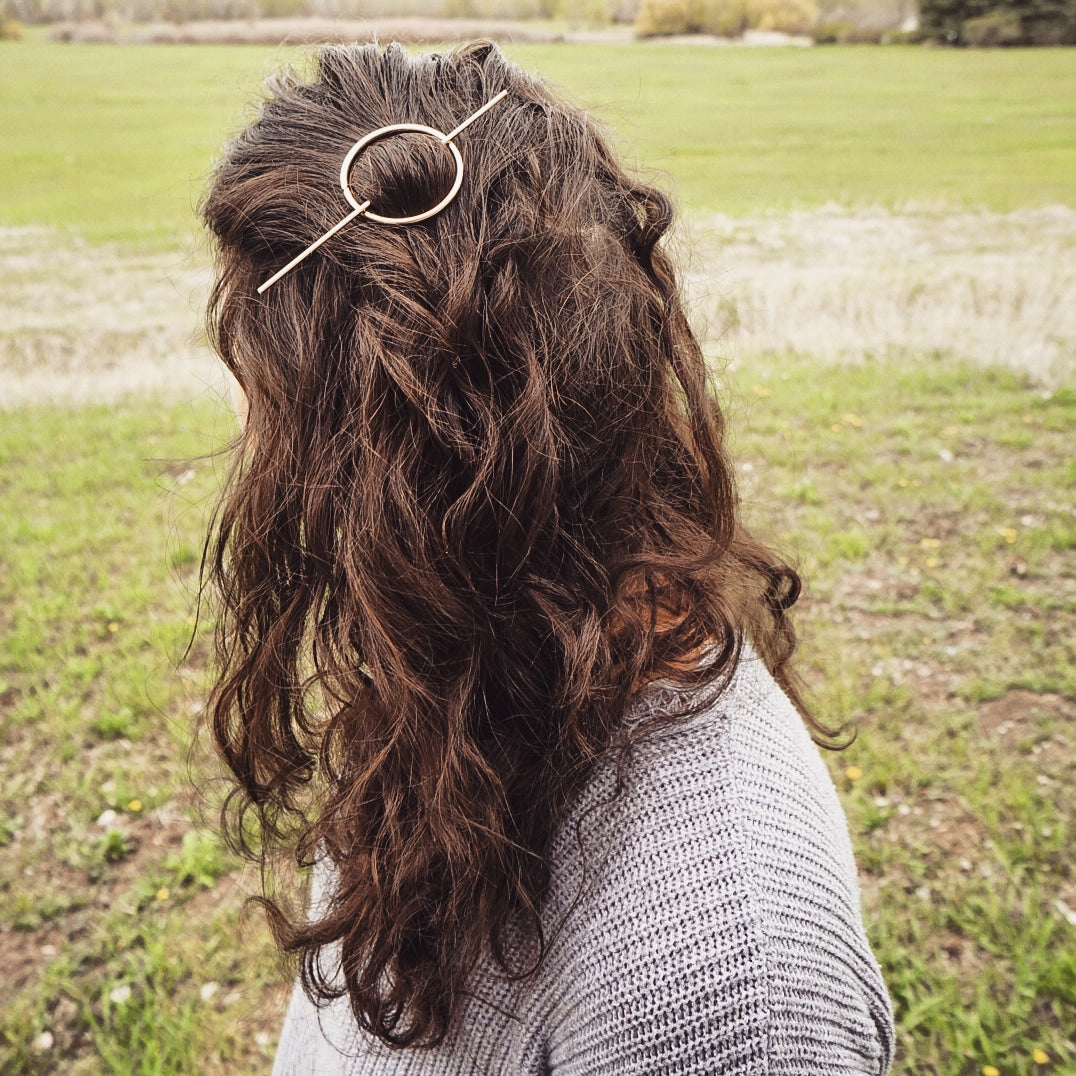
(362,208)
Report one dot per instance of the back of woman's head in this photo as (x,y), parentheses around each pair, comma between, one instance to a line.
(480,498)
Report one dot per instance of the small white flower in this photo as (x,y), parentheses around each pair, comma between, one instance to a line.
(120,995)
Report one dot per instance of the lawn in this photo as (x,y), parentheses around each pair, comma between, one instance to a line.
(116,142)
(927,499)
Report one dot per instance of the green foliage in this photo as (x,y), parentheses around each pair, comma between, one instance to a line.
(658,18)
(201,859)
(116,724)
(726,18)
(990,23)
(115,846)
(994,29)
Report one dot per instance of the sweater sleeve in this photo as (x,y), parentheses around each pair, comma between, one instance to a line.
(707,941)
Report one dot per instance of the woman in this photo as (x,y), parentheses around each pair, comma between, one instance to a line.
(495,655)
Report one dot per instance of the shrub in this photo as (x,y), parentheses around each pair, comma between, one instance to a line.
(10,29)
(860,35)
(726,18)
(787,16)
(996,28)
(585,12)
(661,18)
(833,33)
(1012,22)
(901,37)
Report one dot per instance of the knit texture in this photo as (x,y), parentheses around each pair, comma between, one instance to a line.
(705,921)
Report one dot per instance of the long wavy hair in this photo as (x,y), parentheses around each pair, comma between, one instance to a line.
(481,497)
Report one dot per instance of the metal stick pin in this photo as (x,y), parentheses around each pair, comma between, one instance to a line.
(362,208)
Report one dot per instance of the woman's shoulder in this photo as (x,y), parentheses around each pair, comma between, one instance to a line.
(715,768)
(706,917)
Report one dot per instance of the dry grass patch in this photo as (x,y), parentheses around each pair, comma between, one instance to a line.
(87,323)
(81,323)
(838,285)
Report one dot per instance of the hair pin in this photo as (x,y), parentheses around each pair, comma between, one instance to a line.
(363,208)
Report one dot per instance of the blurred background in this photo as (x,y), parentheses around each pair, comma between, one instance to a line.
(877,242)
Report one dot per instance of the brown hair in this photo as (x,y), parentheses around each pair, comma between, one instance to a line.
(480,498)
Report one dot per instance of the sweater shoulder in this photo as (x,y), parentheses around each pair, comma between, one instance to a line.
(687,901)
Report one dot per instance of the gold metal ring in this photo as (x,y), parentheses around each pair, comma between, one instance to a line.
(382,132)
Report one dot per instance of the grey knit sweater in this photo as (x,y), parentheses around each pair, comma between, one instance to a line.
(710,924)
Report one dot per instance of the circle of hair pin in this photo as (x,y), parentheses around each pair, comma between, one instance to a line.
(362,208)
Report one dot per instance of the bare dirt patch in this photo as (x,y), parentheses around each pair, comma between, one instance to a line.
(1038,726)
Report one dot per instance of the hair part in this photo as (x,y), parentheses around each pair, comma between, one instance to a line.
(481,497)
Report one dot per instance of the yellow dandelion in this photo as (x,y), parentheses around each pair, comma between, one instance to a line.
(762,392)
(989,1070)
(134,806)
(930,543)
(932,562)
(927,640)
(836,427)
(163,893)
(903,561)
(852,420)
(903,483)
(1040,1057)
(853,773)
(1010,534)
(113,627)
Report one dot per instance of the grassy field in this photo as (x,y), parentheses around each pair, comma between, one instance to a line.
(927,497)
(117,142)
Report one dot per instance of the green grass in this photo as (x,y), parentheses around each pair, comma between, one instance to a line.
(117,142)
(105,855)
(940,620)
(928,504)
